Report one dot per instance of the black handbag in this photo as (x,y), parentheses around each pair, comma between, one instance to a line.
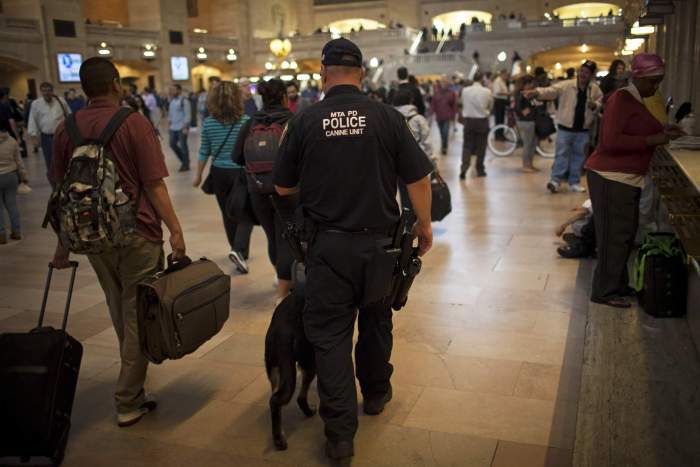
(208,184)
(544,125)
(442,200)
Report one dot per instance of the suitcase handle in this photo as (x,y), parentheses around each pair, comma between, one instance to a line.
(74,267)
(173,266)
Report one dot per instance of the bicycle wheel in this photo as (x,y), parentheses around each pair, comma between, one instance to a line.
(546,146)
(506,146)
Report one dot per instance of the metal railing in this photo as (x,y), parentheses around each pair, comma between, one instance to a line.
(119,34)
(10,25)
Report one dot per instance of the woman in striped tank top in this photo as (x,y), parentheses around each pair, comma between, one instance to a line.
(219,134)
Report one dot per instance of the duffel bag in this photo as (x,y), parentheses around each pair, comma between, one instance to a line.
(442,201)
(181,308)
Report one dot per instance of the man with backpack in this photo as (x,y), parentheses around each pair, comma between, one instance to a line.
(180,116)
(114,215)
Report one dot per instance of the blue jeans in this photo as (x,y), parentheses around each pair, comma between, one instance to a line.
(444,126)
(47,150)
(570,156)
(8,201)
(178,143)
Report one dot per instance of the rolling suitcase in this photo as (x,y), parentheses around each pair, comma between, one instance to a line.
(181,308)
(38,376)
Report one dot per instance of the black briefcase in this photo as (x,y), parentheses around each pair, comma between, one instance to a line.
(442,201)
(38,377)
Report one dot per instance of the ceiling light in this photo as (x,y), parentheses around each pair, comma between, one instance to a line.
(627,52)
(584,48)
(303,76)
(269,66)
(634,43)
(316,76)
(502,56)
(293,64)
(254,79)
(199,31)
(374,62)
(201,54)
(103,50)
(280,47)
(285,65)
(638,30)
(557,66)
(287,77)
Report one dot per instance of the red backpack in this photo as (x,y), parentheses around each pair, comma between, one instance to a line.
(260,152)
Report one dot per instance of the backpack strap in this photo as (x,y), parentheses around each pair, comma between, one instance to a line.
(114,124)
(76,139)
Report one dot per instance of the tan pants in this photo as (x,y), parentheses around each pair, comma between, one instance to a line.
(119,271)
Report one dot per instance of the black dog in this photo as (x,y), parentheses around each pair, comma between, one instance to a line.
(285,347)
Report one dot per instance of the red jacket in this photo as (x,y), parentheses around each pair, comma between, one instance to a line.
(622,144)
(444,104)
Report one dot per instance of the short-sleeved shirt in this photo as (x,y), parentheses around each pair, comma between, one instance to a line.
(136,152)
(346,154)
(218,141)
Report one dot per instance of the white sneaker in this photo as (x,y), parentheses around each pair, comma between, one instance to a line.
(237,259)
(576,188)
(553,186)
(133,417)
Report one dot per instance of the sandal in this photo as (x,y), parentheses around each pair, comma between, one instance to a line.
(615,302)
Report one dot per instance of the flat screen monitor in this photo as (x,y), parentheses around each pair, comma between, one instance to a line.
(179,68)
(69,67)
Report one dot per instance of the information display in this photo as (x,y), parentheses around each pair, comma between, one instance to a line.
(69,67)
(179,68)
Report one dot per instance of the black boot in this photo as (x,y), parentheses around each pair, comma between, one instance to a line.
(338,450)
(376,406)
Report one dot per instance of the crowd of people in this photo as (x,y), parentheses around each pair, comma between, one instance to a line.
(244,127)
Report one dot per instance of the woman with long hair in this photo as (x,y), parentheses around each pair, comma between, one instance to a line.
(275,111)
(525,111)
(615,79)
(137,104)
(220,131)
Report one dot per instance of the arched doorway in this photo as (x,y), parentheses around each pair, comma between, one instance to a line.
(201,75)
(453,20)
(346,26)
(19,76)
(587,10)
(557,60)
(138,73)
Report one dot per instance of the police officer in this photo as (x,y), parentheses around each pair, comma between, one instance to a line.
(343,156)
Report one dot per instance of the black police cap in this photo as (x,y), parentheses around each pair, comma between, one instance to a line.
(341,52)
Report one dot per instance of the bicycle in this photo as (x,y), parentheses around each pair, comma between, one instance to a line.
(511,139)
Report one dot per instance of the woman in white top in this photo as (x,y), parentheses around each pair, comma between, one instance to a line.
(11,172)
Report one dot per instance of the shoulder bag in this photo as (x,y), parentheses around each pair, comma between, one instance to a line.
(208,185)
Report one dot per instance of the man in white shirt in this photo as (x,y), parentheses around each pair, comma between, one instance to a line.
(44,117)
(477,102)
(501,95)
(151,102)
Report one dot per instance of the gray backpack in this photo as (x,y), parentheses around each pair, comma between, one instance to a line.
(89,211)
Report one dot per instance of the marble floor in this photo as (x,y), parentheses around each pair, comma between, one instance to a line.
(487,353)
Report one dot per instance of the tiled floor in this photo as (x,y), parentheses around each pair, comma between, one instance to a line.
(487,353)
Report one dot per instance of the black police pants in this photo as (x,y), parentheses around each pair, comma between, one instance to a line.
(336,268)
